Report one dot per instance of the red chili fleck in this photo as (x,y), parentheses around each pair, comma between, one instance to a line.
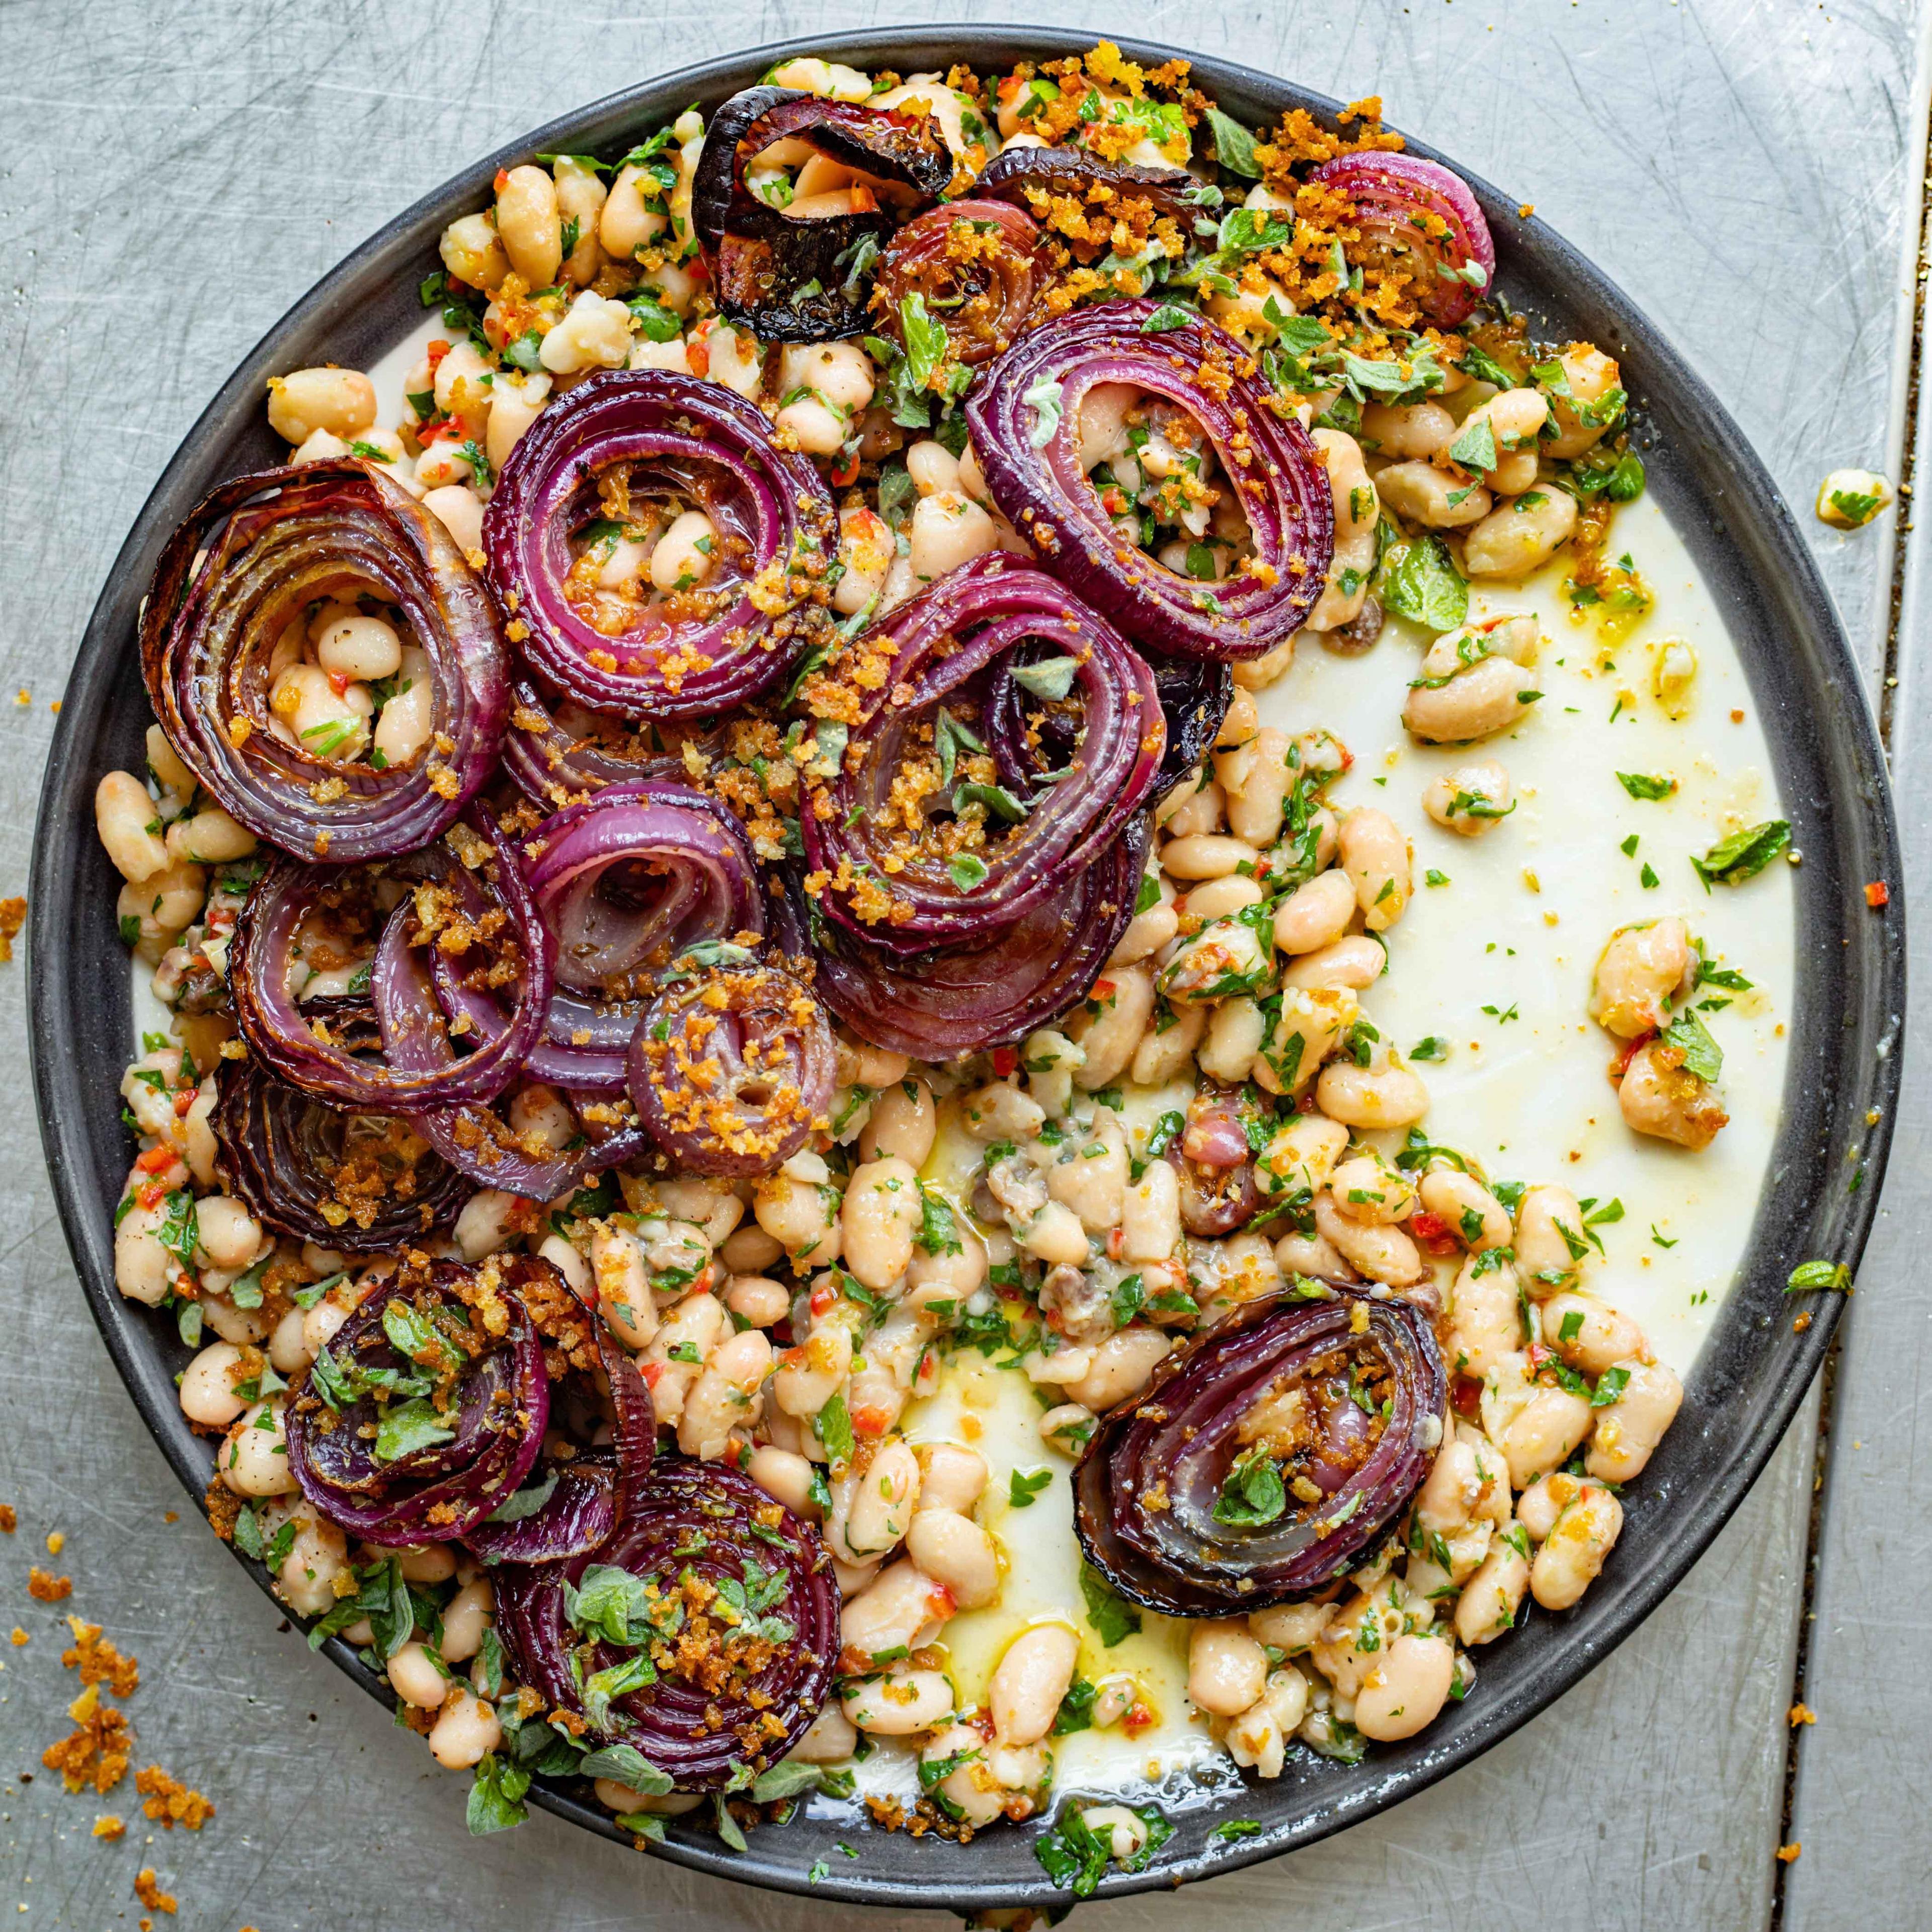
(503,180)
(183,1100)
(1877,894)
(822,1298)
(652,1371)
(1006,1060)
(872,1421)
(848,471)
(155,1159)
(1468,1395)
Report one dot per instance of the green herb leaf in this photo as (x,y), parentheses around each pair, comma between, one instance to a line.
(408,1427)
(1021,1488)
(1251,1493)
(1702,1056)
(1642,784)
(1810,1275)
(835,1431)
(1052,678)
(1234,145)
(1112,1619)
(966,870)
(1235,1828)
(497,1798)
(1421,582)
(1610,1384)
(1744,854)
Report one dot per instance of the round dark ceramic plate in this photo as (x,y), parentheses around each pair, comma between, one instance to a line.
(1753,1370)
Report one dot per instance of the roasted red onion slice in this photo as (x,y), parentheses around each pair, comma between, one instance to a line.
(1195,694)
(940,1006)
(275,543)
(1418,215)
(731,1069)
(926,886)
(485,917)
(1030,178)
(796,277)
(360,1183)
(1188,1498)
(554,766)
(700,1687)
(1025,419)
(578,1500)
(979,263)
(427,1408)
(649,436)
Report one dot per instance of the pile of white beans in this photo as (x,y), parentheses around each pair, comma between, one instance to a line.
(695,1276)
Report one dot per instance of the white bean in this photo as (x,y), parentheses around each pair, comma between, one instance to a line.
(1407,1690)
(957,1554)
(465,1729)
(884,1211)
(1375,856)
(897,1611)
(342,401)
(1120,1367)
(415,1679)
(1628,1429)
(128,822)
(1027,1685)
(1573,1553)
(725,1396)
(1542,1434)
(1227,1669)
(1517,536)
(464,1619)
(207,1386)
(898,1704)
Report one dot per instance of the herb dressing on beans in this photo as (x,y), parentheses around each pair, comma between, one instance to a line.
(961,959)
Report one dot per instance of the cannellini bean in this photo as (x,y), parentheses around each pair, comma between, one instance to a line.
(749,1250)
(1215,898)
(594,334)
(1573,1553)
(472,253)
(288,1354)
(529,225)
(1493,1597)
(1550,1241)
(128,822)
(254,1460)
(1375,856)
(1289,1627)
(884,1211)
(1255,778)
(1517,536)
(581,196)
(1206,856)
(318,1554)
(1302,1154)
(1542,1434)
(1636,975)
(330,724)
(999,1112)
(898,1704)
(1120,1367)
(903,1124)
(1660,1097)
(952,1477)
(1420,430)
(808,1376)
(1383,1254)
(416,1680)
(465,1617)
(1486,1328)
(872,1504)
(1195,805)
(1151,1215)
(488,1221)
(1235,1031)
(1109,1025)
(1148,931)
(1309,1025)
(1056,1236)
(755,1299)
(1513,417)
(1357,509)
(725,1396)
(465,1729)
(568,1262)
(1387,1096)
(1492,695)
(207,1386)
(1316,914)
(684,556)
(1628,1429)
(460,511)
(627,223)
(342,401)
(1067,1427)
(623,1282)
(1366,1191)
(1406,1691)
(1093,1183)
(1418,492)
(1353,963)
(1227,1669)
(209,837)
(899,1610)
(957,1554)
(1588,1333)
(1590,375)
(786,1476)
(802,1218)
(1478,1220)
(227,1236)
(1163,1055)
(1472,799)
(1029,1680)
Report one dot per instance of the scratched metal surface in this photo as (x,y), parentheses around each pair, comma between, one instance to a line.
(174,175)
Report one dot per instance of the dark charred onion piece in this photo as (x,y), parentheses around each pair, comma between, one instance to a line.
(277,542)
(978,263)
(765,261)
(731,1067)
(1042,488)
(939,1006)
(758,1692)
(1214,1161)
(1177,1441)
(551,767)
(360,1183)
(1028,177)
(277,1030)
(590,1492)
(395,1466)
(1417,215)
(928,650)
(1195,694)
(677,437)
(1352,639)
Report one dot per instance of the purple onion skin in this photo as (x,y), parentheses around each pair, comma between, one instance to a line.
(916,262)
(1043,491)
(1177,1438)
(444,1491)
(766,262)
(278,540)
(278,1148)
(1195,695)
(1391,192)
(668,1720)
(963,625)
(691,433)
(760,1029)
(1016,175)
(578,1516)
(552,768)
(938,1005)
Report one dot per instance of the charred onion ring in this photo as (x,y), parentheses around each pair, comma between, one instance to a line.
(1025,421)
(790,278)
(1417,215)
(1149,1485)
(934,648)
(661,434)
(277,542)
(710,1524)
(984,281)
(731,1066)
(432,1458)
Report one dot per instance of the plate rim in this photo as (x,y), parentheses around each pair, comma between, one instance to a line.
(1857,780)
